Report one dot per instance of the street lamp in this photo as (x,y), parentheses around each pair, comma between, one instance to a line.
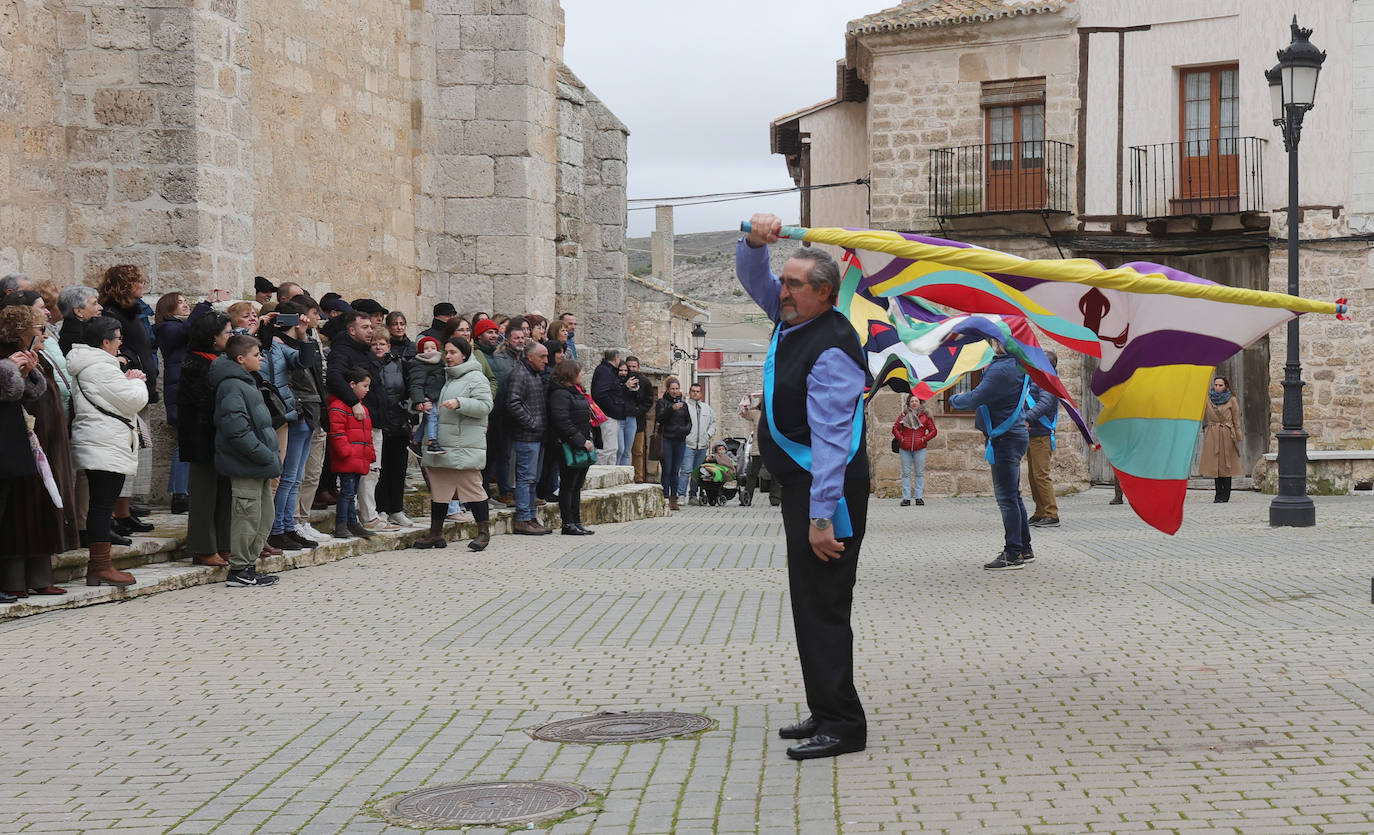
(698,343)
(1292,91)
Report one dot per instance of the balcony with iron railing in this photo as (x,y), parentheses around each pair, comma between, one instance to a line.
(1001,177)
(1197,177)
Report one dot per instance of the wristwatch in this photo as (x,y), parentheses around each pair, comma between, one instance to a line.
(820,524)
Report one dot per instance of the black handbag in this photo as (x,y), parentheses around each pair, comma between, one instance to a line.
(655,447)
(896,445)
(275,404)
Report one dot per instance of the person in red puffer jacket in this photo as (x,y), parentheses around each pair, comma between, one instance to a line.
(913,430)
(350,452)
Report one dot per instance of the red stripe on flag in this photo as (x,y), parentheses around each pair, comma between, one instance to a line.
(1159,502)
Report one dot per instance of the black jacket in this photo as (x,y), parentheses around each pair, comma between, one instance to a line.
(673,424)
(608,390)
(394,417)
(570,417)
(640,402)
(196,411)
(73,332)
(345,352)
(137,347)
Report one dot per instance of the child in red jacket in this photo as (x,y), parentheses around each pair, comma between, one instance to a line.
(350,453)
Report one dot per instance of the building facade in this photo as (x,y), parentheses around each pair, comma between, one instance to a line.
(413,152)
(1119,132)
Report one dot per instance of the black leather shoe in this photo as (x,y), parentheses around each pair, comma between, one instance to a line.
(805,729)
(823,746)
(131,525)
(586,531)
(116,538)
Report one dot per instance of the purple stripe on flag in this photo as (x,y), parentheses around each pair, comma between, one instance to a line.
(1160,348)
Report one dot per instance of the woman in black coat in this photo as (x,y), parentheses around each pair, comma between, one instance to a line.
(674,424)
(207,520)
(173,333)
(21,383)
(570,421)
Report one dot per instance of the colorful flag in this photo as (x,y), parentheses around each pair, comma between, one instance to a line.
(1159,332)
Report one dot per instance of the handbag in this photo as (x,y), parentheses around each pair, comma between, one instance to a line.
(655,447)
(276,405)
(577,458)
(896,445)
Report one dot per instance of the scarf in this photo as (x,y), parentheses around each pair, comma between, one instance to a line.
(911,418)
(1219,398)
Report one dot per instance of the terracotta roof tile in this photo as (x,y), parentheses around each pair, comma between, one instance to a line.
(915,14)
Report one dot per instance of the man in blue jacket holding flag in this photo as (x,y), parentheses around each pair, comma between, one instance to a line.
(811,438)
(999,400)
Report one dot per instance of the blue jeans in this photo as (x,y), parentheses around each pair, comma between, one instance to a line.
(292,471)
(628,426)
(179,476)
(527,460)
(692,459)
(346,511)
(673,453)
(431,419)
(1007,452)
(913,462)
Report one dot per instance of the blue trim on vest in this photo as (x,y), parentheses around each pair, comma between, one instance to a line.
(1005,426)
(1046,421)
(801,453)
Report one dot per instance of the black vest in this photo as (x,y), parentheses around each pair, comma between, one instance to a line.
(797,353)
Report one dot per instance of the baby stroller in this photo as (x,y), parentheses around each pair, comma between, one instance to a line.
(719,481)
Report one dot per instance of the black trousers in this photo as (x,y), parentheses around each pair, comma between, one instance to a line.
(104,490)
(391,484)
(570,490)
(822,595)
(1223,486)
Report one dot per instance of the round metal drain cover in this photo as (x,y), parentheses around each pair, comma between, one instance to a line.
(478,803)
(622,727)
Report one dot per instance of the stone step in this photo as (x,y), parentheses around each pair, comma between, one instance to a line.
(160,563)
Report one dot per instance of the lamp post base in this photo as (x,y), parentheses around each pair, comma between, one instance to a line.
(1292,512)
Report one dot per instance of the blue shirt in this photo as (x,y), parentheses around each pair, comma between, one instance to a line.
(833,386)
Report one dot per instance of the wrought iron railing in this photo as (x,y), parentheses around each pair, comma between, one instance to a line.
(1031,176)
(1197,177)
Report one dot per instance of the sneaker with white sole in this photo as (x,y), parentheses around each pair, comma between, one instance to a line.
(310,533)
(247,578)
(463,517)
(402,520)
(380,525)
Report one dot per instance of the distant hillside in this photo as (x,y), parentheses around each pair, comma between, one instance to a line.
(704,264)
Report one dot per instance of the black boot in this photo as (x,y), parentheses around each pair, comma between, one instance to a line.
(437,512)
(1224,489)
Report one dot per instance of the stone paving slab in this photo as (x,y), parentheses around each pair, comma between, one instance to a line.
(1193,686)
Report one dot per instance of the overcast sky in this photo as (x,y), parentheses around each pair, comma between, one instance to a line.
(698,82)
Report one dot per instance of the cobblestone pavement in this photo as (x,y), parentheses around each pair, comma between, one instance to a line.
(1218,680)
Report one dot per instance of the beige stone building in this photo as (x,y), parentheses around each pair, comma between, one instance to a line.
(1119,132)
(414,152)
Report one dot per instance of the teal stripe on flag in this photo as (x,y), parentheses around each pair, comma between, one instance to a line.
(1158,448)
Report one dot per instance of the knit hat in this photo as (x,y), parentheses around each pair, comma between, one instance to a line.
(482,326)
(445,309)
(262,285)
(369,306)
(427,343)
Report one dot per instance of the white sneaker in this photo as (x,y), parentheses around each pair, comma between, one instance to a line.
(402,520)
(380,525)
(311,534)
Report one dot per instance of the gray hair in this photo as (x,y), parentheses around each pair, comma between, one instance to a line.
(824,270)
(610,355)
(78,295)
(10,283)
(530,348)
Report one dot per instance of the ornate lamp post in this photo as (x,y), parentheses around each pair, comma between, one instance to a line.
(698,343)
(1292,90)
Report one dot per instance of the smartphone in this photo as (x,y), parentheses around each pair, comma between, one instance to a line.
(33,345)
(288,320)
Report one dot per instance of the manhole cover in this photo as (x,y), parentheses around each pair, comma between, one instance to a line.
(622,727)
(476,803)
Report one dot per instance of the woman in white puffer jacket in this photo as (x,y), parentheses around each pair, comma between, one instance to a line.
(107,401)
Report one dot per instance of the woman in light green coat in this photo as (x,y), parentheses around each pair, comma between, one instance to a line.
(463,408)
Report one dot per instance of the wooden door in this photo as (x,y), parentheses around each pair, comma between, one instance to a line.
(1209,160)
(1016,176)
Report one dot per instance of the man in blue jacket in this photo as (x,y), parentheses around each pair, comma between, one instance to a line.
(1042,417)
(999,400)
